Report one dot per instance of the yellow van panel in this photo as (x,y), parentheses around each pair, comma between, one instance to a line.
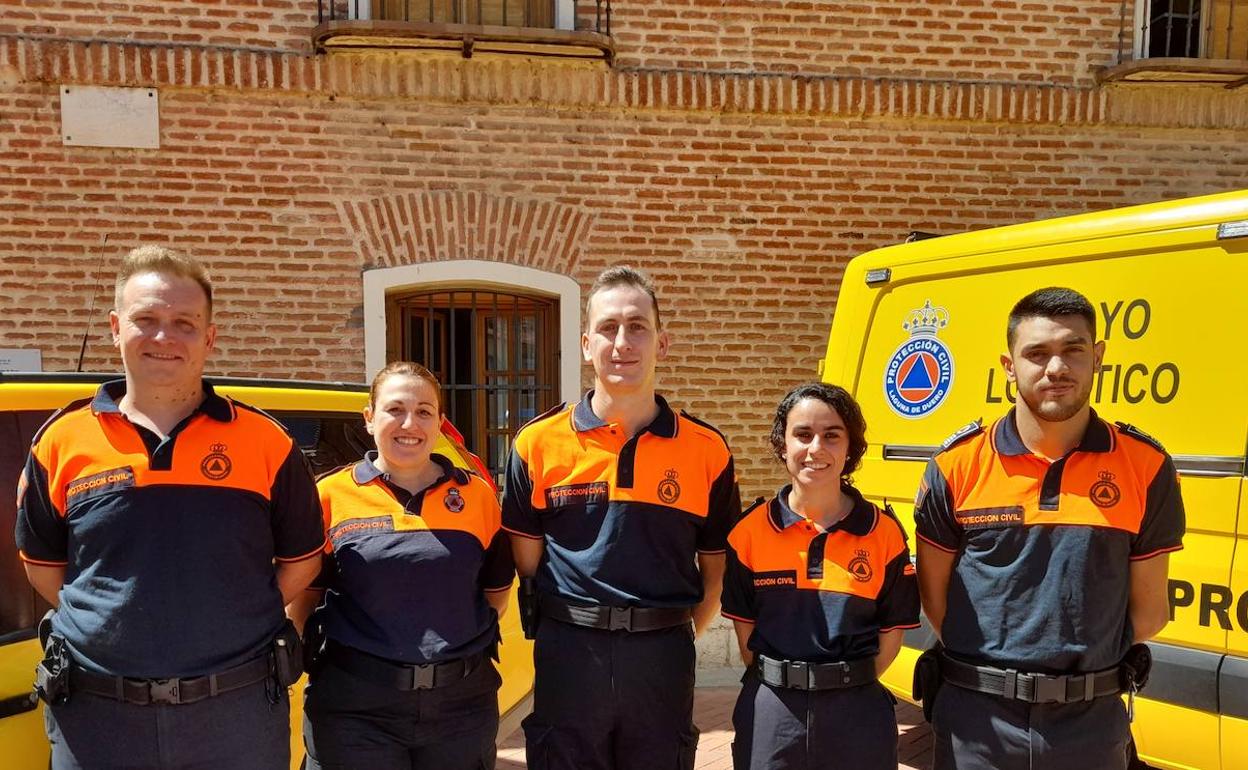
(1234,743)
(1169,299)
(1177,738)
(1236,614)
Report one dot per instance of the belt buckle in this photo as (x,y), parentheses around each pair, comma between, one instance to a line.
(797,675)
(424,677)
(163,691)
(1050,689)
(620,619)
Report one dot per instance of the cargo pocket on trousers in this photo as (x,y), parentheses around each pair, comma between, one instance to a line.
(688,749)
(537,748)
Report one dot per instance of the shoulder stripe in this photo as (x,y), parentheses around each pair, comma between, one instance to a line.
(72,406)
(962,434)
(704,424)
(257,410)
(544,415)
(1139,435)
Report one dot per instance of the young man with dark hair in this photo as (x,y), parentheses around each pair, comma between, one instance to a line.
(1043,545)
(168,526)
(619,510)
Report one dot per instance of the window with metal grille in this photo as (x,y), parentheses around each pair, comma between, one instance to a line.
(495,354)
(1172,28)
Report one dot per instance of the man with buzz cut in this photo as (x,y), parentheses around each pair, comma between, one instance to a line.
(168,526)
(1043,545)
(619,510)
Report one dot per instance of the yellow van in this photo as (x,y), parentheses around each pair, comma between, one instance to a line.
(918,331)
(323,418)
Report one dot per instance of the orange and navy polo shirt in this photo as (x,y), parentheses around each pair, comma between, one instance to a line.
(819,596)
(1042,577)
(406,573)
(168,545)
(622,517)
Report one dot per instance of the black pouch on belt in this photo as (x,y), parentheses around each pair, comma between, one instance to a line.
(287,655)
(927,679)
(313,642)
(526,599)
(52,673)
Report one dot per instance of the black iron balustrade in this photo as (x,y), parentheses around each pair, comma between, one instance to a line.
(586,15)
(1184,29)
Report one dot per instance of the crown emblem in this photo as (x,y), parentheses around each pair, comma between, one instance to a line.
(671,474)
(926,320)
(1106,476)
(861,553)
(218,449)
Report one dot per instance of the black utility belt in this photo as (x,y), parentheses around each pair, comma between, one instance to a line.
(401,676)
(1033,688)
(800,675)
(175,691)
(614,618)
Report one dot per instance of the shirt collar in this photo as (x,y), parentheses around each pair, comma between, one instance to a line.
(1096,437)
(108,399)
(860,520)
(366,470)
(663,425)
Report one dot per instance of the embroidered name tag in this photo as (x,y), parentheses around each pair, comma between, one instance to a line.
(361,526)
(777,579)
(988,518)
(100,483)
(577,494)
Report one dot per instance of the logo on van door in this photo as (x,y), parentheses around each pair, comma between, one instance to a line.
(918,376)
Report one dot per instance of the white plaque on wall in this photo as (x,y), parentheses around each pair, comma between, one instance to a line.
(103,116)
(19,360)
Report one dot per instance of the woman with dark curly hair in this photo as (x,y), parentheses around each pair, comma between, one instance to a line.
(819,588)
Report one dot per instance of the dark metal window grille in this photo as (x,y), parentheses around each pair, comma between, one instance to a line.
(592,15)
(1194,29)
(495,354)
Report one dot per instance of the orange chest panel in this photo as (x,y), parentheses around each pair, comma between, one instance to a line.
(1096,489)
(92,455)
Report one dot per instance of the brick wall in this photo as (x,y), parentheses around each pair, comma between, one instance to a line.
(1013,40)
(271,24)
(746,220)
(965,39)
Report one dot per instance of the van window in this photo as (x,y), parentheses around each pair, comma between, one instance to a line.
(329,440)
(20,606)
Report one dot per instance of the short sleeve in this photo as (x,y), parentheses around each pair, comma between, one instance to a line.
(518,515)
(898,603)
(41,533)
(738,597)
(934,521)
(295,508)
(498,570)
(1164,521)
(724,509)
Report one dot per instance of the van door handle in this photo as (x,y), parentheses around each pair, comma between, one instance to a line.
(18,704)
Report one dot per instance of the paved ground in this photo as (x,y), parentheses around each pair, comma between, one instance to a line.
(712,712)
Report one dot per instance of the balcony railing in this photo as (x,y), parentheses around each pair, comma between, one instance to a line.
(1182,41)
(564,28)
(590,15)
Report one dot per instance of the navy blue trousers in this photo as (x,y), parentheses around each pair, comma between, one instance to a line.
(351,723)
(238,730)
(977,731)
(611,700)
(784,729)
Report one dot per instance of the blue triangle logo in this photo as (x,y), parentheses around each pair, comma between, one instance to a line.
(917,377)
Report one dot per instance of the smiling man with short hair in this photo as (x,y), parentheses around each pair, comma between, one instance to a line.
(168,526)
(619,510)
